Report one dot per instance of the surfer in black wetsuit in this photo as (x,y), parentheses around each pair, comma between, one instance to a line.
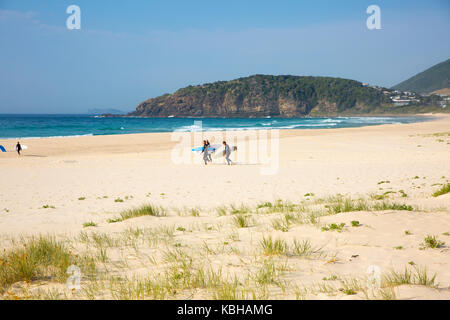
(18,147)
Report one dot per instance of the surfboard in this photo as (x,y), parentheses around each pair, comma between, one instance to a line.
(2,149)
(212,148)
(24,147)
(219,153)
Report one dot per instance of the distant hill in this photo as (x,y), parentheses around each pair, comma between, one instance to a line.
(432,79)
(266,95)
(103,111)
(445,91)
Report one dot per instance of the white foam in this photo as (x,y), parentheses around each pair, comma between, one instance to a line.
(70,136)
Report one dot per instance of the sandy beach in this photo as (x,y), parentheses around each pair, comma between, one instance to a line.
(59,184)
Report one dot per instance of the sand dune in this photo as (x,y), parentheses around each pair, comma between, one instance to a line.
(59,184)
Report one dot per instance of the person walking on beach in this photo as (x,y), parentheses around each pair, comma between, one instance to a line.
(227,152)
(205,152)
(209,154)
(18,147)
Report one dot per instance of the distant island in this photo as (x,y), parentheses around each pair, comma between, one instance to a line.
(99,111)
(290,96)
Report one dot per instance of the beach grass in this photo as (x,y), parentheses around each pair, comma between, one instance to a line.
(144,210)
(416,276)
(443,190)
(89,224)
(242,221)
(432,242)
(39,258)
(273,246)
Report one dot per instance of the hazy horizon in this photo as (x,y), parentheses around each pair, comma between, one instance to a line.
(126,53)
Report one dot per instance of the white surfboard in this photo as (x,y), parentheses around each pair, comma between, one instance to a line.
(219,151)
(24,147)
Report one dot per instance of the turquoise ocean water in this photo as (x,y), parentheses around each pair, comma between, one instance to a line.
(32,126)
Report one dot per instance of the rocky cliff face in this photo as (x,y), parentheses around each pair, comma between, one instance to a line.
(262,96)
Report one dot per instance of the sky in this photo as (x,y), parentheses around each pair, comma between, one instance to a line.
(129,51)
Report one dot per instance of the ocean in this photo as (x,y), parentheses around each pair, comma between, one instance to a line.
(40,126)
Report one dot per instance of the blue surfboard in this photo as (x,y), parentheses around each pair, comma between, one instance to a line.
(210,149)
(2,148)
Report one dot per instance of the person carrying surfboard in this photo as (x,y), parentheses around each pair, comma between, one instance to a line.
(205,152)
(209,153)
(18,147)
(227,152)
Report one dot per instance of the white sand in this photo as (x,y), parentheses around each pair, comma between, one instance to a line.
(351,161)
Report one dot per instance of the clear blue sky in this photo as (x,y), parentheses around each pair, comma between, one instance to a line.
(128,51)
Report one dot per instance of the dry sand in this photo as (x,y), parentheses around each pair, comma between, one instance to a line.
(82,177)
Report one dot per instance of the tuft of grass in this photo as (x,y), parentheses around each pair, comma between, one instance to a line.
(118,200)
(355,223)
(145,210)
(305,249)
(267,273)
(423,278)
(432,242)
(221,211)
(395,278)
(82,198)
(392,206)
(47,206)
(239,210)
(264,205)
(39,258)
(230,290)
(340,204)
(331,278)
(350,286)
(418,276)
(407,232)
(273,247)
(334,226)
(89,224)
(402,193)
(114,220)
(280,224)
(241,221)
(384,181)
(443,190)
(195,212)
(284,222)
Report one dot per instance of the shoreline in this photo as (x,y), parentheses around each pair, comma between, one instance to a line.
(431,117)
